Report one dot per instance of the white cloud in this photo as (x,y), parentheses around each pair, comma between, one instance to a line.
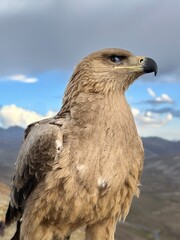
(151,92)
(149,114)
(163,98)
(135,111)
(11,115)
(168,131)
(22,78)
(150,118)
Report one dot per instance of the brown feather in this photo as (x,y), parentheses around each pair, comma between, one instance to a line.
(83,166)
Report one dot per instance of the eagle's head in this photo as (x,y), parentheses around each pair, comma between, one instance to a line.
(110,70)
(107,71)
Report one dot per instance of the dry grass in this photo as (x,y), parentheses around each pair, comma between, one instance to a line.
(4,199)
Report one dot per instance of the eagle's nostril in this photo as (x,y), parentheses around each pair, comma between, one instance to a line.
(141,60)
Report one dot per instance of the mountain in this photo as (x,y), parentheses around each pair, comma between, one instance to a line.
(156,214)
(155,147)
(10,141)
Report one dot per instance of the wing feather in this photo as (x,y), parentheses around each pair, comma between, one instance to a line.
(35,159)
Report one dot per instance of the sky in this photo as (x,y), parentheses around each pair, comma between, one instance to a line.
(42,41)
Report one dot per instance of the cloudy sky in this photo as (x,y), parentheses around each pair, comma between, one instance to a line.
(42,40)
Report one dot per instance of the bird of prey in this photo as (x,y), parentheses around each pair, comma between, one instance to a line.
(83,166)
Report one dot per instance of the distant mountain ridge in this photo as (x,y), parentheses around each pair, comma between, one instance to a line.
(10,141)
(155,147)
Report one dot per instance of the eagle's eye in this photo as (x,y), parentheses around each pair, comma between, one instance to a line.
(116,59)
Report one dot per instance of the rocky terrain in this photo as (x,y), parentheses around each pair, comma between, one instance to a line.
(154,216)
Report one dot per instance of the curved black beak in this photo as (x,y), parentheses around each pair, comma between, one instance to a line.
(149,65)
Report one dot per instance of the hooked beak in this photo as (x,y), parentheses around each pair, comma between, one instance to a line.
(149,65)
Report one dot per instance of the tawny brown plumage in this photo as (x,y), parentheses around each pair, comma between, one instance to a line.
(82,167)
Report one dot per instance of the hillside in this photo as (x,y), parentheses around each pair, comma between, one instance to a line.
(155,147)
(155,216)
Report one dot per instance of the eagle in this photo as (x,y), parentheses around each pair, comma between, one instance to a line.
(82,167)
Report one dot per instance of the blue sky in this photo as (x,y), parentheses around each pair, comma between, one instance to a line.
(41,96)
(41,43)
